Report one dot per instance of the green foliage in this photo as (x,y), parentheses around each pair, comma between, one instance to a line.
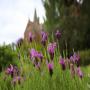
(85,57)
(5,82)
(35,79)
(41,80)
(72,19)
(51,14)
(7,56)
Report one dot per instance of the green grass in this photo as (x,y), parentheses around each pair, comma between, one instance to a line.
(36,80)
(41,80)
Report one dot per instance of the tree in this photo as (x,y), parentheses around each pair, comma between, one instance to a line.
(72,17)
(7,56)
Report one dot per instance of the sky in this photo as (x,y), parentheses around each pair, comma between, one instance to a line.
(14,15)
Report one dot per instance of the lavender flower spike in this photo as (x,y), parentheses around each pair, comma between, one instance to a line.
(44,38)
(62,62)
(33,53)
(79,72)
(58,34)
(30,37)
(51,49)
(50,68)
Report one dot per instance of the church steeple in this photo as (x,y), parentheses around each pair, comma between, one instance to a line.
(35,16)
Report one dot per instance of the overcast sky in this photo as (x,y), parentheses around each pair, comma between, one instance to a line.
(14,15)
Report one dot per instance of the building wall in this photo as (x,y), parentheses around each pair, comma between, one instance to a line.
(35,28)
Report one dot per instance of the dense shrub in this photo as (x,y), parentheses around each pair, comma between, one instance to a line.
(7,56)
(85,57)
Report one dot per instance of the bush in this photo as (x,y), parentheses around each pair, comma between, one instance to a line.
(7,56)
(85,57)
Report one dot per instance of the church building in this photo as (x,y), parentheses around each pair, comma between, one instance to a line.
(34,27)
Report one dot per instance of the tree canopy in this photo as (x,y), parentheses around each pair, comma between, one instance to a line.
(71,17)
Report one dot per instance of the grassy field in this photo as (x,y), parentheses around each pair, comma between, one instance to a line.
(38,77)
(41,80)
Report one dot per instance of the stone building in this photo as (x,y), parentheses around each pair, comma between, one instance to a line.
(34,27)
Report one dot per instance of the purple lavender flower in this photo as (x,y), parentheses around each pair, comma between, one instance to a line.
(33,53)
(50,68)
(58,34)
(72,59)
(44,38)
(16,80)
(51,49)
(75,58)
(10,70)
(36,58)
(62,62)
(19,42)
(30,37)
(79,72)
(44,34)
(40,56)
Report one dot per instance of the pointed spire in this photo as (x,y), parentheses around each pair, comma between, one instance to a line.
(35,16)
(29,21)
